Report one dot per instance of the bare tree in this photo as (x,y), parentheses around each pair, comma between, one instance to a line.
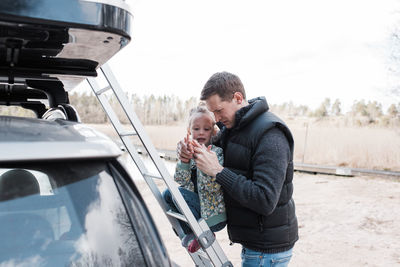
(323,109)
(336,109)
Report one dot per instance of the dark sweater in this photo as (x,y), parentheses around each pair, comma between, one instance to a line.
(257,180)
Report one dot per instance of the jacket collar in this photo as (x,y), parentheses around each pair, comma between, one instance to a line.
(248,113)
(243,116)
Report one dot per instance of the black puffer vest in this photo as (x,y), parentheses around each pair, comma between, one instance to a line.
(278,231)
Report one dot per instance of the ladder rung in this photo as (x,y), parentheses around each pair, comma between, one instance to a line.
(128,133)
(176,215)
(99,92)
(201,254)
(152,176)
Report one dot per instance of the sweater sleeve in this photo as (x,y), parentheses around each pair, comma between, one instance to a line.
(212,185)
(182,174)
(269,163)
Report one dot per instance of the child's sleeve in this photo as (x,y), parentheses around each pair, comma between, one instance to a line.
(211,182)
(220,155)
(182,174)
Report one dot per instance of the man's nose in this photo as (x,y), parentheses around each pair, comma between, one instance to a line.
(217,117)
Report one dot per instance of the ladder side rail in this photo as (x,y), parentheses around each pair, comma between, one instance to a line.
(150,182)
(113,118)
(181,203)
(197,259)
(216,248)
(201,259)
(132,151)
(213,250)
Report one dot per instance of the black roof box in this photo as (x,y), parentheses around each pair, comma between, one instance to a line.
(59,40)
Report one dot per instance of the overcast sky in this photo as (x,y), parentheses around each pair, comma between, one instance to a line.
(300,51)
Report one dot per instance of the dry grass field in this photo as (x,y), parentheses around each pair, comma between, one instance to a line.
(342,221)
(327,143)
(339,145)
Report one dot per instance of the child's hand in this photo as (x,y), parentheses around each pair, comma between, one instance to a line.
(185,150)
(195,144)
(189,143)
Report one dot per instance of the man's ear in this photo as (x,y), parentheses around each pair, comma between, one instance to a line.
(238,97)
(215,130)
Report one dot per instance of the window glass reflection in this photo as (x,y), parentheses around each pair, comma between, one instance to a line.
(64,216)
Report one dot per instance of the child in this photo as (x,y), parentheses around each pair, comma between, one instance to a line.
(200,191)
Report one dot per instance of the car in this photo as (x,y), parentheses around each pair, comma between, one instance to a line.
(65,197)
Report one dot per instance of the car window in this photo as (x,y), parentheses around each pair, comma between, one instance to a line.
(152,247)
(64,214)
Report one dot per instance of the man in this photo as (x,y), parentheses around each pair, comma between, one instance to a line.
(257,174)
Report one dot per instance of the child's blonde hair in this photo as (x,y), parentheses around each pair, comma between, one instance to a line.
(200,109)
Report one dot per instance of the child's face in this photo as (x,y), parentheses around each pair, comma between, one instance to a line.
(202,128)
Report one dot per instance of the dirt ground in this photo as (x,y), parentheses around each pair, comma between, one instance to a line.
(342,222)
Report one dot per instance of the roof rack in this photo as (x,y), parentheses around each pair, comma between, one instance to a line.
(20,95)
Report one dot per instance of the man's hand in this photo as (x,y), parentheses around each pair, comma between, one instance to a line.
(184,149)
(206,160)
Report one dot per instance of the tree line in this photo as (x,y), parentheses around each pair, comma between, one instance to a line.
(167,110)
(361,113)
(151,110)
(162,110)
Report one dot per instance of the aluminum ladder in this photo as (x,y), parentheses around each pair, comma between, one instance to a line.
(211,253)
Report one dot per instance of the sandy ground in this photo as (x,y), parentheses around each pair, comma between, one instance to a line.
(342,222)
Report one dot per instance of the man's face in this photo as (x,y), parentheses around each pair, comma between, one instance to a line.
(224,111)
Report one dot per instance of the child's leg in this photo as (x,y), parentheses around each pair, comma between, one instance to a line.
(192,200)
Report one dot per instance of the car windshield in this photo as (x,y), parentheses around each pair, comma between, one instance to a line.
(64,214)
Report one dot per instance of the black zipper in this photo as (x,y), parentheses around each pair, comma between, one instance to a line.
(260,223)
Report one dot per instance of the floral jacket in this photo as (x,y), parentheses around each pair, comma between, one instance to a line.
(211,198)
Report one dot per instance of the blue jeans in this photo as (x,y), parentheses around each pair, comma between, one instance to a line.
(193,201)
(252,258)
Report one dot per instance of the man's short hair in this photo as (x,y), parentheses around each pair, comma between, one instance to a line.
(224,84)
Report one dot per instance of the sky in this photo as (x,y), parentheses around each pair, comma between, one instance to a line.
(299,51)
